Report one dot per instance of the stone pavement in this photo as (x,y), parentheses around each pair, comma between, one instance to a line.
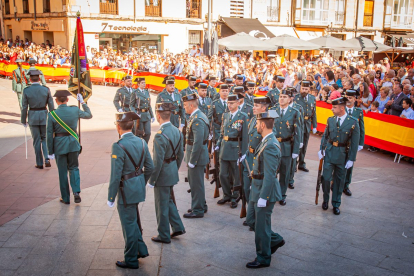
(374,234)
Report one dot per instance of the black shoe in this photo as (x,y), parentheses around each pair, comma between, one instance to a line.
(192,215)
(256,264)
(191,210)
(122,264)
(336,211)
(245,223)
(251,229)
(178,233)
(325,205)
(347,191)
(282,202)
(39,167)
(142,256)
(77,197)
(274,248)
(223,201)
(61,200)
(233,205)
(303,169)
(47,163)
(157,239)
(291,186)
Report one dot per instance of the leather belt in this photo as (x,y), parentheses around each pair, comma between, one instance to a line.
(280,139)
(62,134)
(257,176)
(126,105)
(251,150)
(169,160)
(306,117)
(37,109)
(131,175)
(144,110)
(227,138)
(337,144)
(192,143)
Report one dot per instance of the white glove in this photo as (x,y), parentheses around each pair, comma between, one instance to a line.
(261,203)
(321,154)
(216,148)
(301,145)
(191,165)
(51,157)
(152,120)
(120,110)
(149,185)
(110,204)
(241,159)
(80,98)
(14,91)
(182,125)
(210,137)
(25,125)
(314,131)
(349,164)
(295,155)
(360,148)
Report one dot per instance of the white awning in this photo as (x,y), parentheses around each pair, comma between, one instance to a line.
(282,30)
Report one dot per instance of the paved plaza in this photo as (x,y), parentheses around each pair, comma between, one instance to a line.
(374,235)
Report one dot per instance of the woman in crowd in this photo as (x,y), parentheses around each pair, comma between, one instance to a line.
(383,98)
(366,97)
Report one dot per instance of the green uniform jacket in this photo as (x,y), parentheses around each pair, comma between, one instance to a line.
(247,108)
(309,111)
(36,96)
(358,114)
(215,113)
(287,127)
(212,93)
(166,174)
(188,91)
(205,106)
(266,162)
(41,76)
(229,149)
(70,115)
(134,188)
(348,132)
(248,99)
(197,134)
(254,140)
(122,99)
(178,115)
(274,96)
(19,80)
(301,121)
(144,99)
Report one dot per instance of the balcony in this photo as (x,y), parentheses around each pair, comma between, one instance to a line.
(193,9)
(108,6)
(401,21)
(339,17)
(272,14)
(153,8)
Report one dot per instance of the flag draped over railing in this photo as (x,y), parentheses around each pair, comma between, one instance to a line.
(80,78)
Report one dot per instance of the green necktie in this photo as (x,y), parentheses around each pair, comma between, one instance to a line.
(338,123)
(282,113)
(350,112)
(225,105)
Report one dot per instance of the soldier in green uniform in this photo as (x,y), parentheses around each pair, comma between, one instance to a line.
(196,155)
(63,142)
(204,102)
(140,103)
(274,93)
(238,81)
(217,109)
(233,128)
(265,192)
(358,114)
(286,129)
(243,106)
(167,156)
(32,63)
(19,80)
(249,96)
(36,99)
(211,89)
(170,94)
(339,145)
(123,95)
(131,167)
(192,80)
(308,103)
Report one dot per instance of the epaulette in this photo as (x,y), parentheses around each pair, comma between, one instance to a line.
(73,106)
(351,117)
(159,131)
(249,104)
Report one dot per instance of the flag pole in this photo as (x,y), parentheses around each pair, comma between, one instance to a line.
(79,91)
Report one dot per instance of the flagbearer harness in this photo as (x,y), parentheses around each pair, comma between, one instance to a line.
(70,131)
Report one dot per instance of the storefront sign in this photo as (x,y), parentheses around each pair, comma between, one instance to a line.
(106,27)
(40,26)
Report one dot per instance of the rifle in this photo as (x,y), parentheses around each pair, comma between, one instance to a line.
(216,170)
(209,147)
(242,196)
(319,180)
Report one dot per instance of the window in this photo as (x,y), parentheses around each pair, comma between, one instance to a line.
(108,6)
(193,8)
(273,10)
(153,8)
(237,8)
(368,13)
(398,14)
(46,6)
(339,12)
(315,12)
(25,6)
(7,6)
(194,38)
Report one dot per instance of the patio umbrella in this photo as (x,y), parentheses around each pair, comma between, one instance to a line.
(244,42)
(292,43)
(330,42)
(365,44)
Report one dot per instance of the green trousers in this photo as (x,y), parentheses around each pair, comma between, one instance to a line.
(68,162)
(228,171)
(146,128)
(292,170)
(348,178)
(134,244)
(198,193)
(260,219)
(247,182)
(302,152)
(284,173)
(337,173)
(167,213)
(19,98)
(39,143)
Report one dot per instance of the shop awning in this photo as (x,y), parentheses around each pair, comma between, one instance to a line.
(249,26)
(308,35)
(148,37)
(282,30)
